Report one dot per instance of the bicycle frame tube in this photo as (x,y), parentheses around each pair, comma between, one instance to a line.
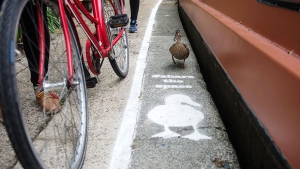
(42,45)
(40,22)
(100,39)
(67,40)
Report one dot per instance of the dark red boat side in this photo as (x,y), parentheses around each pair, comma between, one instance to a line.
(248,52)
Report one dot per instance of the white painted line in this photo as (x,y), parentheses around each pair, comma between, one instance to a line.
(174,77)
(173,86)
(172,81)
(122,150)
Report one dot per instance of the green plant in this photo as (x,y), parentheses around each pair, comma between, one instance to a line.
(19,34)
(53,22)
(53,25)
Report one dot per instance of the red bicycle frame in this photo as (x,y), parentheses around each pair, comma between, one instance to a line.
(99,38)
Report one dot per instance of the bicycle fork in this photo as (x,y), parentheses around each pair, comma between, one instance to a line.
(69,84)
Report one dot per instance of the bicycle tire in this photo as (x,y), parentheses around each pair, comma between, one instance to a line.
(40,140)
(119,59)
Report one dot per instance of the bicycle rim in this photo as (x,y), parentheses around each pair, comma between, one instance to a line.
(42,139)
(119,59)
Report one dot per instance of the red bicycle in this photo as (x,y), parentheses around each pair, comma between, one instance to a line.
(56,140)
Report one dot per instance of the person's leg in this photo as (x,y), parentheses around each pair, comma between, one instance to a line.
(134,9)
(30,42)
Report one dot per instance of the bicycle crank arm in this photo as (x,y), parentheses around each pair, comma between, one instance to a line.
(121,51)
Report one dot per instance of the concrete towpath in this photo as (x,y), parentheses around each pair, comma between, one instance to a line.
(159,116)
(170,120)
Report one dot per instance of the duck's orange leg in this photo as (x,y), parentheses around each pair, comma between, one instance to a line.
(173,60)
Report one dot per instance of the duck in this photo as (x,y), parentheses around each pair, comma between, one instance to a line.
(179,50)
(176,114)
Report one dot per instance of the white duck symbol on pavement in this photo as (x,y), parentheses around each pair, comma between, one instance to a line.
(175,114)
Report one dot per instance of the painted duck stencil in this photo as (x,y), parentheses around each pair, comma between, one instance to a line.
(176,114)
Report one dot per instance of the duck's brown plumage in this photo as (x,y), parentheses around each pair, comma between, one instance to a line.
(179,50)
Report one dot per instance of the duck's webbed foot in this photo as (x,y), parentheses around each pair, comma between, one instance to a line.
(196,136)
(182,65)
(166,134)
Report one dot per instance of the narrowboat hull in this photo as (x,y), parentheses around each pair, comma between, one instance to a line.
(248,53)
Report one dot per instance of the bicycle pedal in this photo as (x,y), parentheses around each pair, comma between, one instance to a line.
(91,82)
(118,21)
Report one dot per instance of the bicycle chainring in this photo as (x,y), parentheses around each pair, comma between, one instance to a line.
(93,58)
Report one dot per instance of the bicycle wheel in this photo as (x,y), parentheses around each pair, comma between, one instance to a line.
(39,138)
(119,58)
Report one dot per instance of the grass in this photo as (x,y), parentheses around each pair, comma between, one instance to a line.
(53,22)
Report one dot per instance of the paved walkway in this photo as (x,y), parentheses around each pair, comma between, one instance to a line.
(171,116)
(159,116)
